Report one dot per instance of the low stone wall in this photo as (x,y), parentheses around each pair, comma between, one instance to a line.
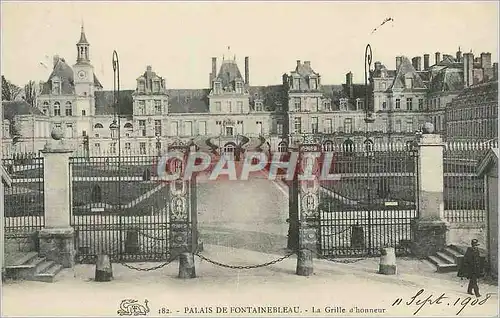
(462,233)
(21,242)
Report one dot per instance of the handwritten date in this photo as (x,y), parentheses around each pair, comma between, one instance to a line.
(421,301)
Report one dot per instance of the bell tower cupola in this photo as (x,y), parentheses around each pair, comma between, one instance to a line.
(83,54)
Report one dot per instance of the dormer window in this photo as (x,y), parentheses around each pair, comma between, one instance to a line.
(409,82)
(156,86)
(57,109)
(141,105)
(45,108)
(141,86)
(360,104)
(327,105)
(217,87)
(296,83)
(56,87)
(239,87)
(343,104)
(313,83)
(258,106)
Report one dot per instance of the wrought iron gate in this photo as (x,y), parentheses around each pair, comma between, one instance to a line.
(121,208)
(373,203)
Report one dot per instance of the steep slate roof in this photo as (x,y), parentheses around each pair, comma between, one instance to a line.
(404,69)
(65,74)
(270,95)
(14,108)
(304,70)
(383,72)
(228,73)
(188,100)
(104,102)
(83,38)
(449,79)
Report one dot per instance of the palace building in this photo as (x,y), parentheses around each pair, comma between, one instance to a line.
(231,114)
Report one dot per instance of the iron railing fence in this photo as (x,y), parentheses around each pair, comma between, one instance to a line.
(119,208)
(24,199)
(371,204)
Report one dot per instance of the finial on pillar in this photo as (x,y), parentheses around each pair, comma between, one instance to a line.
(57,133)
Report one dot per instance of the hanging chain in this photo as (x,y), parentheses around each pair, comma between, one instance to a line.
(140,269)
(245,266)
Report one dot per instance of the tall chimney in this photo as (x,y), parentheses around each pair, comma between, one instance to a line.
(426,62)
(468,69)
(419,63)
(486,66)
(398,61)
(213,75)
(298,63)
(247,72)
(438,57)
(348,79)
(495,71)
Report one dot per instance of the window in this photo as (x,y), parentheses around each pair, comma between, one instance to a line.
(127,146)
(258,106)
(84,113)
(142,128)
(239,127)
(157,127)
(282,147)
(328,126)
(398,103)
(141,107)
(156,86)
(239,87)
(217,106)
(45,108)
(98,125)
(128,126)
(69,131)
(56,87)
(174,128)
(158,106)
(229,106)
(327,105)
(239,106)
(384,105)
(279,127)
(298,125)
(409,82)
(348,125)
(259,127)
(313,83)
(360,104)
(296,102)
(69,109)
(112,147)
(382,86)
(398,125)
(202,128)
(409,104)
(217,87)
(188,128)
(229,131)
(141,86)
(158,145)
(420,104)
(409,125)
(317,104)
(97,147)
(296,83)
(314,125)
(57,109)
(384,125)
(328,145)
(343,104)
(142,148)
(84,133)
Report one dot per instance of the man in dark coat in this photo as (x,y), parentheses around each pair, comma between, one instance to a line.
(471,267)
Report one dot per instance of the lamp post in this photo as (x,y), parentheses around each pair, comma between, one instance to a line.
(116,96)
(158,145)
(369,119)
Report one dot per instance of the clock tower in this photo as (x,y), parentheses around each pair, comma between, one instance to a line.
(83,76)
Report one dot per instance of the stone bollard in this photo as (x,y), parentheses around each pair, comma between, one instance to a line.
(304,263)
(357,237)
(186,265)
(387,261)
(132,242)
(103,269)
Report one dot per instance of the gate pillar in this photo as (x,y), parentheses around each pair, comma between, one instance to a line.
(429,230)
(57,237)
(308,203)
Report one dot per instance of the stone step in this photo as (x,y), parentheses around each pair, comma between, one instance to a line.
(445,258)
(43,266)
(453,253)
(441,266)
(49,274)
(26,270)
(25,258)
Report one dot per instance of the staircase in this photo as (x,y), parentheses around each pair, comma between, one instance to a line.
(30,266)
(448,259)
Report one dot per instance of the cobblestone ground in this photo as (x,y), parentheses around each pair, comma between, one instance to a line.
(243,214)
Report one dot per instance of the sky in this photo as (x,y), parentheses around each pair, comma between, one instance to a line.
(178,39)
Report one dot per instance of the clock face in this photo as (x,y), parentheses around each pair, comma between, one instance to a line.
(82,74)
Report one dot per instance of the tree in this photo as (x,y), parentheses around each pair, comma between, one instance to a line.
(9,91)
(30,93)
